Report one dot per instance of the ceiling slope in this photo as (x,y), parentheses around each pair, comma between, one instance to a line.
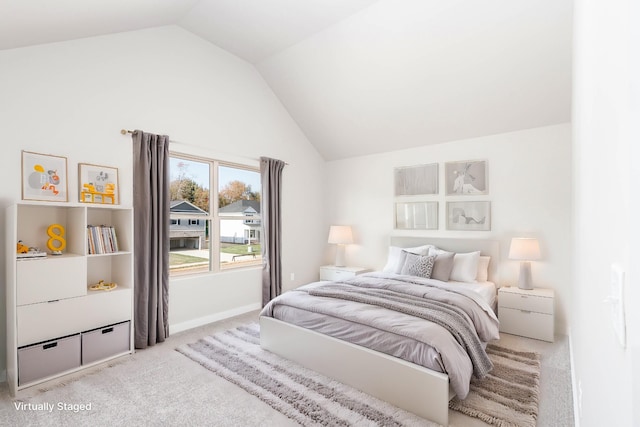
(360,76)
(31,22)
(256,29)
(406,73)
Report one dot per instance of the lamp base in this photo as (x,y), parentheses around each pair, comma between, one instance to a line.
(524,280)
(340,255)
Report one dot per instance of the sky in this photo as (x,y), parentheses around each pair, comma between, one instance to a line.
(199,172)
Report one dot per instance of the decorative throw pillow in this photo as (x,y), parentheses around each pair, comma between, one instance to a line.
(396,257)
(483,268)
(465,267)
(442,266)
(418,265)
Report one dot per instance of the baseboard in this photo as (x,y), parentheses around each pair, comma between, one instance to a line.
(574,385)
(194,323)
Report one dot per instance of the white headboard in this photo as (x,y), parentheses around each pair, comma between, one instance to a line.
(486,247)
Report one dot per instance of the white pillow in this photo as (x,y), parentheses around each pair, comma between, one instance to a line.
(434,250)
(396,258)
(483,268)
(465,267)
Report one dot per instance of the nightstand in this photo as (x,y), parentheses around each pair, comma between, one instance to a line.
(528,313)
(332,272)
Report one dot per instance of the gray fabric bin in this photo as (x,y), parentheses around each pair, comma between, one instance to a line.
(107,341)
(48,358)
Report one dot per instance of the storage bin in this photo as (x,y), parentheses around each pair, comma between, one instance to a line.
(104,342)
(48,358)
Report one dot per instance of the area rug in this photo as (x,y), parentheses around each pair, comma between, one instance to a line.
(509,395)
(310,398)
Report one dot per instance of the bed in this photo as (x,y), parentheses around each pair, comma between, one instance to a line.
(319,326)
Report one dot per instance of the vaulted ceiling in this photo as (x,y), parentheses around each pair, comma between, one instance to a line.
(360,76)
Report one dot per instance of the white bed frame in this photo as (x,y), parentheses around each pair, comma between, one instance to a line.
(406,385)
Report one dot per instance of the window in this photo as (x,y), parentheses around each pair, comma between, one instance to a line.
(215,215)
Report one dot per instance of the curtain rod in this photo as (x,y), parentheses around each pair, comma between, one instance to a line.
(126,131)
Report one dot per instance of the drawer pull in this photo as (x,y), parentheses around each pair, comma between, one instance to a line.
(53,300)
(523,296)
(107,330)
(526,311)
(50,345)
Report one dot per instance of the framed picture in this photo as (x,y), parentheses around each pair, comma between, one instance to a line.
(416,180)
(98,184)
(417,216)
(44,177)
(469,216)
(466,178)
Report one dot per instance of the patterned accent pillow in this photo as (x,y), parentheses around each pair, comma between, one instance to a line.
(418,265)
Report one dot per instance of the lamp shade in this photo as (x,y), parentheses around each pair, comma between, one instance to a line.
(524,249)
(340,235)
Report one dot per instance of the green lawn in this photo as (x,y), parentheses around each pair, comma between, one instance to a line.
(230,248)
(176,259)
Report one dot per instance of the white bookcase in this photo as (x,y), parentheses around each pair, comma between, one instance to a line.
(55,324)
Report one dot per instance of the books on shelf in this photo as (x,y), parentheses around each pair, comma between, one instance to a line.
(101,239)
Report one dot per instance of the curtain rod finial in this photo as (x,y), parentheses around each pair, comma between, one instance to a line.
(123,131)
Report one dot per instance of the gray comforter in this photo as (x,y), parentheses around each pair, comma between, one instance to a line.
(428,322)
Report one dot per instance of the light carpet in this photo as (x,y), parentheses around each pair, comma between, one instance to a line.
(313,399)
(509,395)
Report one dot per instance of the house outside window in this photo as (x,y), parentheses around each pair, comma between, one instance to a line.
(215,215)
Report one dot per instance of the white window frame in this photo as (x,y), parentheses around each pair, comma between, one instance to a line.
(214,216)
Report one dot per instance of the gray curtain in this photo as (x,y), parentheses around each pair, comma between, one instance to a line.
(271,177)
(151,237)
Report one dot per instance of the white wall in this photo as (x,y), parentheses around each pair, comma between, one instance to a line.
(72,99)
(529,189)
(607,129)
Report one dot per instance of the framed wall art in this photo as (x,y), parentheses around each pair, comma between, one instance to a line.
(416,180)
(98,184)
(417,216)
(44,177)
(472,216)
(466,178)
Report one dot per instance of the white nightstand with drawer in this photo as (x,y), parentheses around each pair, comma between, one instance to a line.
(332,272)
(527,313)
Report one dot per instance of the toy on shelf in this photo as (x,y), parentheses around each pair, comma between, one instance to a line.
(25,252)
(22,249)
(101,286)
(56,234)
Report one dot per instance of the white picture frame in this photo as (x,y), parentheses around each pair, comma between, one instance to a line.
(466,178)
(44,177)
(416,216)
(469,216)
(416,180)
(98,184)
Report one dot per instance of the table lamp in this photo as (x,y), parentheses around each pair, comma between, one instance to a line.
(524,249)
(340,235)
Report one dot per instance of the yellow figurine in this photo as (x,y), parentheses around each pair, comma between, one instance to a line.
(56,242)
(22,249)
(101,286)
